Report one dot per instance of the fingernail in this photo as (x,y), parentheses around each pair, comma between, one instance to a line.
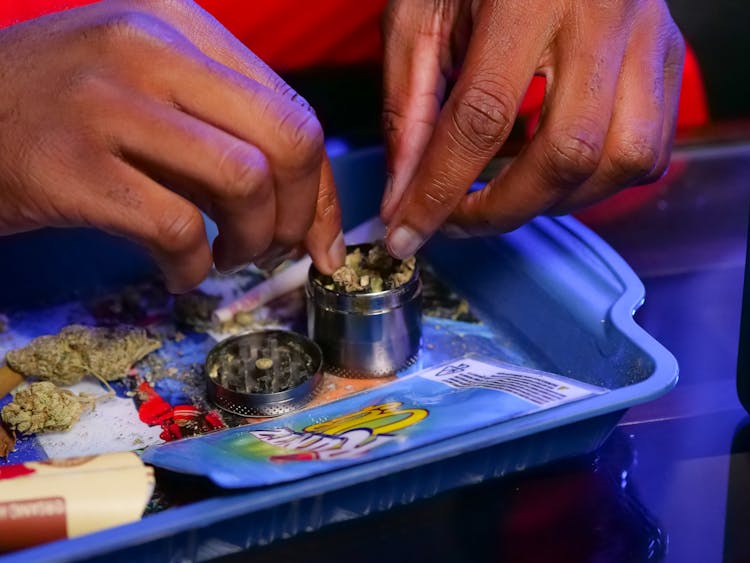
(452,230)
(404,242)
(337,251)
(174,288)
(231,271)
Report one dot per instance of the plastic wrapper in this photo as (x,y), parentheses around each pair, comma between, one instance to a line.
(414,411)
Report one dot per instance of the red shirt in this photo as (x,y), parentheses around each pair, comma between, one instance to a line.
(287,34)
(292,34)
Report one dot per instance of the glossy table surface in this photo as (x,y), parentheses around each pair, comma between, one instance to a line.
(672,483)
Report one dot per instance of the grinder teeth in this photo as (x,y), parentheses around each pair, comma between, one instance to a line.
(265,373)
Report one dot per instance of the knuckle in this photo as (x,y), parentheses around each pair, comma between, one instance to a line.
(303,139)
(391,117)
(244,172)
(675,60)
(170,5)
(680,46)
(125,28)
(657,173)
(282,88)
(676,47)
(84,86)
(676,39)
(573,155)
(483,115)
(178,230)
(327,208)
(633,159)
(440,195)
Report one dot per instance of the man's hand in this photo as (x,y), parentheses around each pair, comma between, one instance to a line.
(613,71)
(132,115)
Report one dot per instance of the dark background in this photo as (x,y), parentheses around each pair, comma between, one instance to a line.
(718,32)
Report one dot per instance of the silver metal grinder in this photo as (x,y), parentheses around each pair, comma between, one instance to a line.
(365,334)
(265,373)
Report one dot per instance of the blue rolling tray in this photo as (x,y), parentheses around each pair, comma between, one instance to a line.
(562,298)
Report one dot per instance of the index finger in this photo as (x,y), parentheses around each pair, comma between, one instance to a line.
(325,240)
(473,125)
(294,146)
(295,173)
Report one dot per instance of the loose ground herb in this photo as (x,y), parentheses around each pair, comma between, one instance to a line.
(272,368)
(438,300)
(370,272)
(195,310)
